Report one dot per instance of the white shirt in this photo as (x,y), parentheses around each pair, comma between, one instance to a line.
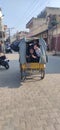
(38,52)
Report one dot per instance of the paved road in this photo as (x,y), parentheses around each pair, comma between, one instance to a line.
(33,104)
(53,65)
(10,78)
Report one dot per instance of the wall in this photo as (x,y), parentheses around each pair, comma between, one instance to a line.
(54,38)
(39,25)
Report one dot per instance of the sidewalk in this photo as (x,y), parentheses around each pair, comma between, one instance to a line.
(53,53)
(13,56)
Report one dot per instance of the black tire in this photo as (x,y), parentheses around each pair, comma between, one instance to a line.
(22,74)
(42,74)
(10,51)
(7,66)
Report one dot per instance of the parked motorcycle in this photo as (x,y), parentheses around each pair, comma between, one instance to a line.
(4,62)
(8,50)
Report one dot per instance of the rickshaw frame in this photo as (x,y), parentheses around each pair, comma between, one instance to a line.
(32,66)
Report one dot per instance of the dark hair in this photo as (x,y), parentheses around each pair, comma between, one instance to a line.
(36,44)
(1,41)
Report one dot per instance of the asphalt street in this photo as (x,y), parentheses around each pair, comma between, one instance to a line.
(53,65)
(11,77)
(32,104)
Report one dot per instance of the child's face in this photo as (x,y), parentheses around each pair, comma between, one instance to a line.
(31,51)
(35,46)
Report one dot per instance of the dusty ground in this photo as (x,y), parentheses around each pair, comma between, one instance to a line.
(33,105)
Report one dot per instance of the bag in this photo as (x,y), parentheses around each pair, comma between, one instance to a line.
(15,46)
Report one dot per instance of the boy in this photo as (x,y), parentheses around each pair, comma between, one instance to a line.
(37,50)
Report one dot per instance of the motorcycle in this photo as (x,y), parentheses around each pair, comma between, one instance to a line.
(8,50)
(4,62)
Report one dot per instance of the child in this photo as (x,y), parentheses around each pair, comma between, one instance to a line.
(37,50)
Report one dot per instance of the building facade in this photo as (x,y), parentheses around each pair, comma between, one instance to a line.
(2,34)
(37,26)
(21,34)
(47,25)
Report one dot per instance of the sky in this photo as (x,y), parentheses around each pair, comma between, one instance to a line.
(17,13)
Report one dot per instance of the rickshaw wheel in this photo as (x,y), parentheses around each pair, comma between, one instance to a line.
(23,77)
(42,74)
(21,72)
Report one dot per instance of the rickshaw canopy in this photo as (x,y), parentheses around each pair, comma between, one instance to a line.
(22,49)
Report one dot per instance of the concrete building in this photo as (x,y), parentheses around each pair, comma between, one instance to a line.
(49,10)
(54,33)
(36,26)
(22,34)
(19,35)
(54,38)
(2,34)
(46,25)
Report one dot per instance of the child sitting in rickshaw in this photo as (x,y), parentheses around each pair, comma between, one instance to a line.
(33,54)
(37,50)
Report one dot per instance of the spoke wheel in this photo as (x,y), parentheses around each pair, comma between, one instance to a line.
(42,74)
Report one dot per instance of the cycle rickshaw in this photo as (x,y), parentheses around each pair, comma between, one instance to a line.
(28,68)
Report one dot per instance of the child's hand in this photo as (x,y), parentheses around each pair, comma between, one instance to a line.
(33,56)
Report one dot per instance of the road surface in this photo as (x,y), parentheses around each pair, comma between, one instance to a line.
(33,104)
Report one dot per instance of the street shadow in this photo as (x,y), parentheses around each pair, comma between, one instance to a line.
(31,79)
(10,78)
(2,69)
